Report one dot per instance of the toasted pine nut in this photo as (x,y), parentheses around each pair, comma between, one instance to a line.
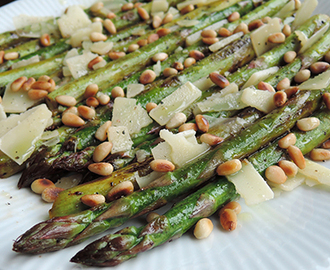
(319,154)
(219,79)
(97,19)
(142,42)
(265,86)
(117,91)
(162,165)
(275,174)
(255,24)
(143,13)
(168,18)
(210,139)
(319,67)
(94,61)
(286,30)
(127,7)
(326,144)
(327,57)
(41,85)
(289,168)
(43,78)
(187,9)
(201,122)
(208,33)
(224,32)
(102,132)
(18,83)
(291,91)
(302,75)
(326,99)
(297,156)
(91,90)
(147,76)
(150,106)
(52,85)
(109,25)
(189,62)
(92,102)
(289,56)
(95,37)
(103,99)
(67,101)
(297,4)
(197,55)
(101,168)
(51,193)
(92,200)
(151,216)
(308,123)
(203,228)
(283,84)
(276,38)
(122,189)
(177,120)
(233,205)
(86,112)
(280,98)
(160,57)
(233,17)
(111,15)
(36,94)
(116,55)
(39,185)
(266,19)
(163,32)
(102,151)
(45,40)
(188,126)
(72,109)
(228,219)
(11,56)
(72,120)
(287,140)
(167,72)
(156,21)
(138,4)
(242,27)
(133,47)
(2,54)
(229,167)
(152,38)
(97,6)
(210,40)
(178,66)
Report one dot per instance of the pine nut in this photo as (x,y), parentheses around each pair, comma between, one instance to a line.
(50,194)
(150,106)
(97,6)
(156,21)
(111,15)
(52,86)
(92,200)
(72,120)
(142,42)
(67,101)
(291,91)
(289,168)
(73,110)
(211,139)
(203,228)
(187,9)
(188,126)
(127,7)
(43,78)
(302,75)
(116,55)
(102,151)
(307,124)
(275,174)
(297,156)
(133,47)
(18,83)
(266,19)
(189,62)
(229,167)
(117,91)
(219,79)
(45,40)
(122,189)
(319,67)
(168,72)
(39,185)
(233,205)
(289,56)
(103,99)
(287,140)
(36,94)
(197,55)
(162,32)
(95,37)
(160,57)
(265,86)
(102,132)
(109,25)
(233,17)
(276,38)
(177,120)
(41,85)
(11,56)
(178,66)
(326,144)
(2,54)
(97,19)
(326,99)
(224,32)
(86,112)
(286,30)
(202,124)
(137,4)
(168,18)
(101,168)
(143,13)
(319,154)
(228,219)
(242,27)
(151,216)
(152,38)
(147,76)
(283,84)
(91,90)
(162,165)
(210,40)
(327,57)
(280,98)
(208,33)
(255,24)
(297,4)
(92,102)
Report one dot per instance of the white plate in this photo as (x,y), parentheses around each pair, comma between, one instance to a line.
(289,232)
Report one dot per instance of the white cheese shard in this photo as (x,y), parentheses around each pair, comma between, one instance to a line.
(143,181)
(2,113)
(306,43)
(134,89)
(74,19)
(291,183)
(187,23)
(317,172)
(318,82)
(162,151)
(159,6)
(250,185)
(225,41)
(101,47)
(286,10)
(19,142)
(175,102)
(304,12)
(129,114)
(259,99)
(120,139)
(259,37)
(203,83)
(83,34)
(260,76)
(78,65)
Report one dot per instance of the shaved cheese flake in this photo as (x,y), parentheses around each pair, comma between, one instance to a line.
(134,89)
(25,62)
(144,181)
(100,64)
(175,102)
(259,99)
(162,151)
(120,139)
(250,185)
(304,12)
(3,115)
(78,65)
(157,68)
(318,82)
(159,6)
(308,42)
(83,34)
(225,41)
(286,10)
(203,83)
(316,172)
(73,52)
(291,183)
(259,37)
(101,47)
(260,76)
(187,23)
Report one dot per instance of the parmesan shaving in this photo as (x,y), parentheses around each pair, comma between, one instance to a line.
(225,41)
(260,76)
(318,82)
(304,12)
